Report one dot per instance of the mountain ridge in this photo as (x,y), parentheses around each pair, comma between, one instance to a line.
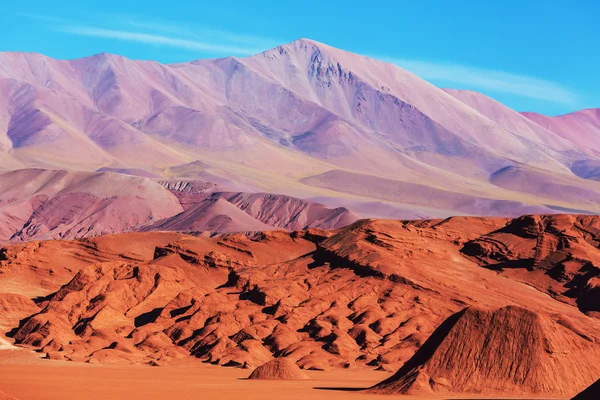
(37,204)
(303,108)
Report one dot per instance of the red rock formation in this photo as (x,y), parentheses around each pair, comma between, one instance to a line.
(510,350)
(556,254)
(368,295)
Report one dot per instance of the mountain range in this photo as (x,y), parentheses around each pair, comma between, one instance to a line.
(304,121)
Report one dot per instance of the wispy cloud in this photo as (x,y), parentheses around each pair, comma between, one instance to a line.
(160,33)
(203,39)
(489,80)
(39,17)
(204,33)
(153,39)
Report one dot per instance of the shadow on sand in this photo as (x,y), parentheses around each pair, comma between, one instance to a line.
(355,389)
(340,389)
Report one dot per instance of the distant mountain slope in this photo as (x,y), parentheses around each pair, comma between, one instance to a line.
(55,204)
(290,213)
(207,209)
(268,122)
(581,128)
(44,204)
(211,215)
(512,121)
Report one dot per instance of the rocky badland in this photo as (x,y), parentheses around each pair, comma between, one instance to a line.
(462,305)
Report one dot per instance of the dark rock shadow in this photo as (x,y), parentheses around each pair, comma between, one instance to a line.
(148,317)
(340,389)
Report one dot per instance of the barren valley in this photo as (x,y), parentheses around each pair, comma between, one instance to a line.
(301,223)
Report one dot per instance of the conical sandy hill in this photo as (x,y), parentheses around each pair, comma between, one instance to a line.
(591,393)
(279,369)
(212,215)
(506,351)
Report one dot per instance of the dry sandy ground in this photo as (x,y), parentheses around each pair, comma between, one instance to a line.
(29,378)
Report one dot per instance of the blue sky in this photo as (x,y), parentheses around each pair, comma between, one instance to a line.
(532,55)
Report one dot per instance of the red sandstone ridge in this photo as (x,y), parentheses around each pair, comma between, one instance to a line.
(366,296)
(279,369)
(510,350)
(558,255)
(590,393)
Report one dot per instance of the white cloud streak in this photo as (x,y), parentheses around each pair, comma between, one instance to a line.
(204,33)
(159,33)
(490,80)
(157,40)
(209,40)
(39,17)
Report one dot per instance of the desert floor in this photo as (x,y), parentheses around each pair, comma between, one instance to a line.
(30,379)
(27,377)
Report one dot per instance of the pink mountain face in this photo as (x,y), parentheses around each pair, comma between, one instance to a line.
(581,128)
(56,204)
(304,120)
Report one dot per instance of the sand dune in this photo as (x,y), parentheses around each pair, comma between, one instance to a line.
(278,369)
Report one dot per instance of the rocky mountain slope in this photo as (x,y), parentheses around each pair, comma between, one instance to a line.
(507,350)
(303,119)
